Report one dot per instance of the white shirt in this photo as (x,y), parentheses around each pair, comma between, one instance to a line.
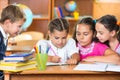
(65,52)
(5,36)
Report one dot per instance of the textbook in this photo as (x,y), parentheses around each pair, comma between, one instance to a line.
(98,67)
(114,68)
(2,62)
(18,57)
(15,67)
(91,67)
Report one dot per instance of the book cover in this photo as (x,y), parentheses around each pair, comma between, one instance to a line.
(18,57)
(55,12)
(58,12)
(2,62)
(17,68)
(19,54)
(61,12)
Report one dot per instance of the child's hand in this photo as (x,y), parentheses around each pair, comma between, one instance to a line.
(72,61)
(56,59)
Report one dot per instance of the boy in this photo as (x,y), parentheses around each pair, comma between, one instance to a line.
(12,18)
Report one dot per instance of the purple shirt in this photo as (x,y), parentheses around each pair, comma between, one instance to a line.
(95,49)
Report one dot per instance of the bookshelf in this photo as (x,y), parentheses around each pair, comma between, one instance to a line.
(84,7)
(41,13)
(44,10)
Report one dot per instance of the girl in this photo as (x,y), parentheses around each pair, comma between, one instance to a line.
(59,48)
(109,32)
(90,49)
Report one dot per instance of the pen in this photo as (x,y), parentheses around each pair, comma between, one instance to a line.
(39,48)
(53,51)
(35,49)
(47,50)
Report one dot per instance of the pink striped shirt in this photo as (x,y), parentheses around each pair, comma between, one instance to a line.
(95,49)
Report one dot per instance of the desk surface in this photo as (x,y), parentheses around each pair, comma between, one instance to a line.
(67,69)
(62,73)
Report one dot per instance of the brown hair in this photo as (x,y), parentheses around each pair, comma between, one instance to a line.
(110,23)
(13,13)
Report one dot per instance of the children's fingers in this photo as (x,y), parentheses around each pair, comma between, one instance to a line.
(72,61)
(56,59)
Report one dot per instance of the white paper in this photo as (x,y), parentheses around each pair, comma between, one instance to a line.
(114,68)
(55,64)
(91,67)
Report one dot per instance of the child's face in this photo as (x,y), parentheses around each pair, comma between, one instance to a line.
(58,38)
(84,35)
(102,33)
(14,28)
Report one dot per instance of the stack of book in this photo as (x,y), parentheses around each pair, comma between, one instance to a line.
(18,62)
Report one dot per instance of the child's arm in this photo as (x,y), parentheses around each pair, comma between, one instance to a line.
(54,59)
(109,57)
(74,59)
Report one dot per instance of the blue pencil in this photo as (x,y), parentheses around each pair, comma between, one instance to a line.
(47,49)
(39,48)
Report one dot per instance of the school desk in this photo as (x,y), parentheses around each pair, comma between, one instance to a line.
(61,73)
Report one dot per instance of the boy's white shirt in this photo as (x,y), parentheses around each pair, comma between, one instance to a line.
(65,52)
(5,36)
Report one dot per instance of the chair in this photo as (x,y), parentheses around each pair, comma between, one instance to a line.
(34,35)
(30,35)
(29,38)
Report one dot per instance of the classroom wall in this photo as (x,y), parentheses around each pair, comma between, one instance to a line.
(102,7)
(3,3)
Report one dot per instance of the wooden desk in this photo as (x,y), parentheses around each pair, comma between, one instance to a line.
(61,73)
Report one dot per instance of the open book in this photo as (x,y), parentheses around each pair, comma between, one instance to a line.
(98,67)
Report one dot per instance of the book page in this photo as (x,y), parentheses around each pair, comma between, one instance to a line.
(55,64)
(114,68)
(91,67)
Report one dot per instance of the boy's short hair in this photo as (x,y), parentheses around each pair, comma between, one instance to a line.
(13,13)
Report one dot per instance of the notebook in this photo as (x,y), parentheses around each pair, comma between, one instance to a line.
(18,57)
(97,66)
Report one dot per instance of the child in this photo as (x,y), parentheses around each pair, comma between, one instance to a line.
(11,21)
(60,49)
(90,49)
(109,32)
